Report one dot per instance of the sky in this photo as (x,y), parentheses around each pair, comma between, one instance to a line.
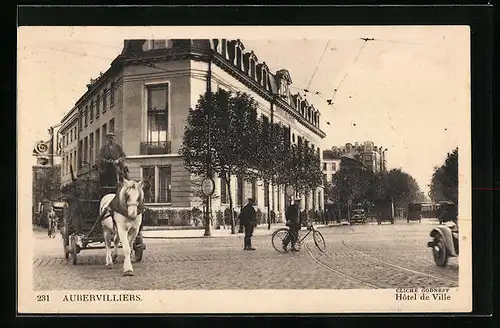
(407,90)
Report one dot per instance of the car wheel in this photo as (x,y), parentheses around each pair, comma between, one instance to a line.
(439,252)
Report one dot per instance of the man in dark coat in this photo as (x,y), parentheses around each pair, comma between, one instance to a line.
(292,216)
(248,219)
(111,159)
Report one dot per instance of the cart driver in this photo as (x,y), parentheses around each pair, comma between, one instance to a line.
(111,158)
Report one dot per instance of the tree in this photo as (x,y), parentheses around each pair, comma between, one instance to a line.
(402,188)
(444,181)
(233,125)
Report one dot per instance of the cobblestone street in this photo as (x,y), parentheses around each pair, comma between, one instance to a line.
(360,256)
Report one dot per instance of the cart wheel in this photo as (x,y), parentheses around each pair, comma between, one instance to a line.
(73,249)
(439,252)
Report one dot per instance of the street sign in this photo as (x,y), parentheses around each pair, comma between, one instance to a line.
(207,187)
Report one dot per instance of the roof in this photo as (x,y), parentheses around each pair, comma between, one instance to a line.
(328,154)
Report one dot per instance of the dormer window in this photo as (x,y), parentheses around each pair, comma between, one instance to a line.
(252,68)
(157,44)
(238,58)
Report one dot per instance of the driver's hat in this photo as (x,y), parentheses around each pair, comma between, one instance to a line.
(110,134)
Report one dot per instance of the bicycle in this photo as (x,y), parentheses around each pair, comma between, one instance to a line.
(281,234)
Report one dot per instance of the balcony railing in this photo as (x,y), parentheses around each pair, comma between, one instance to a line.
(155,147)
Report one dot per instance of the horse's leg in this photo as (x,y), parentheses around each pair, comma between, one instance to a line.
(116,241)
(132,234)
(123,235)
(107,243)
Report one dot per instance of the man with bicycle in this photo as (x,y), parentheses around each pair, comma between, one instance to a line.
(292,216)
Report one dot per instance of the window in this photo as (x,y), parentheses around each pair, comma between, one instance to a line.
(266,194)
(112,94)
(334,166)
(104,100)
(159,44)
(148,176)
(252,68)
(97,142)
(86,117)
(239,191)
(254,191)
(223,191)
(70,161)
(165,185)
(91,111)
(157,115)
(238,57)
(112,125)
(324,178)
(80,123)
(91,147)
(324,166)
(80,146)
(104,132)
(86,150)
(98,106)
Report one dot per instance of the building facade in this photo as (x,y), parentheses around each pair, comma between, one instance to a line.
(331,164)
(145,97)
(372,156)
(46,172)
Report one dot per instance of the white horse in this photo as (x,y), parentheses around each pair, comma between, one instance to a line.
(124,222)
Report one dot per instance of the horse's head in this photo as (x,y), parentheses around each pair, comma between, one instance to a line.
(131,196)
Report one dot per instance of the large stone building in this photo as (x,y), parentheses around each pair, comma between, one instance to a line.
(372,156)
(145,97)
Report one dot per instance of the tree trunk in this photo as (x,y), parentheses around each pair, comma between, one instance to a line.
(228,184)
(268,208)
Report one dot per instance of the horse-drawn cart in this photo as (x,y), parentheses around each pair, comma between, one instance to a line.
(82,214)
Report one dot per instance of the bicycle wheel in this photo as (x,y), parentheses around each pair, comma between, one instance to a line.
(279,236)
(319,240)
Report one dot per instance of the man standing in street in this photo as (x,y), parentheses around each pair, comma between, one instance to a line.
(292,216)
(248,219)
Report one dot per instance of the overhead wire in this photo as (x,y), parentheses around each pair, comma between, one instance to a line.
(317,65)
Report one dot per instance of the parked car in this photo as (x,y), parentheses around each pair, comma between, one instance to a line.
(358,215)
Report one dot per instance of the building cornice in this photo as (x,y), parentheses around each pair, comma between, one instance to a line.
(201,54)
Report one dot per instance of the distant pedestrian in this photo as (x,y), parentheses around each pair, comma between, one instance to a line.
(52,222)
(248,219)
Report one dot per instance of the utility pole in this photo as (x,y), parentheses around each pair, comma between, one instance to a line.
(208,226)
